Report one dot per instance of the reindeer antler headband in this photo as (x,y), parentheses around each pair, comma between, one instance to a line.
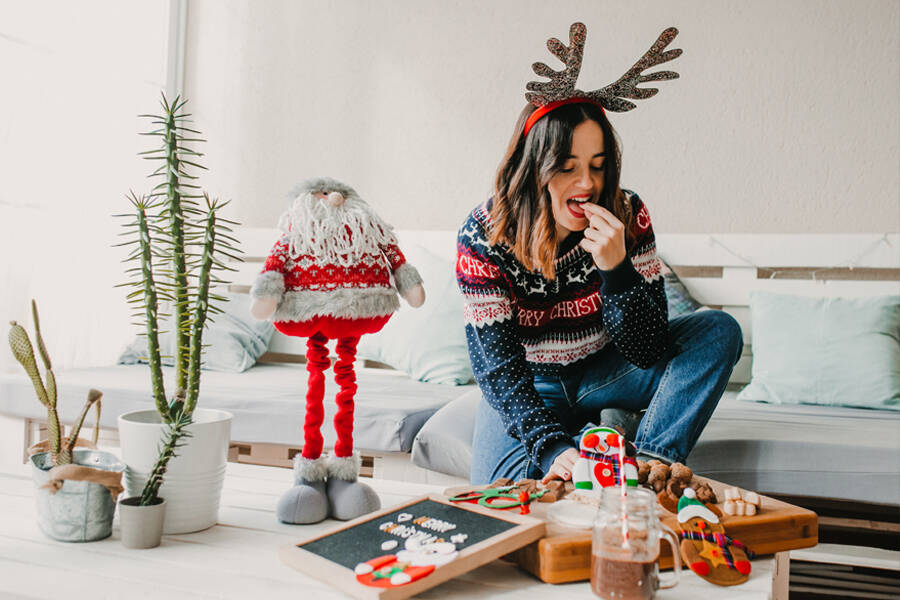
(560,90)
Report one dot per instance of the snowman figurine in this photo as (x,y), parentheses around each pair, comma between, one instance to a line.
(599,464)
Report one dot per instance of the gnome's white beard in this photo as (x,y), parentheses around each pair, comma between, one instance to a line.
(334,234)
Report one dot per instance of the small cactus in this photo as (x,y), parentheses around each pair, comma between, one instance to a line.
(176,431)
(20,343)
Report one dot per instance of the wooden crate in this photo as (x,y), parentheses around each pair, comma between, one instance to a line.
(564,554)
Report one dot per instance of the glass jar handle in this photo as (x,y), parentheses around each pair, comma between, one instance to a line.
(670,537)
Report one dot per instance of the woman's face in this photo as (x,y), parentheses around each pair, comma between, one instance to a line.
(580,180)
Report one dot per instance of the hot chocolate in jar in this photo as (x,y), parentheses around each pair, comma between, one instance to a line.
(625,548)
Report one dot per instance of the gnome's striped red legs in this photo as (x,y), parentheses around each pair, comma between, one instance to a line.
(345,377)
(316,363)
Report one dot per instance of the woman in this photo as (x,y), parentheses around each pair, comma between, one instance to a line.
(566,312)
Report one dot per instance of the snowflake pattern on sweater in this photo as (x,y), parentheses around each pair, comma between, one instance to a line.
(306,272)
(307,286)
(518,323)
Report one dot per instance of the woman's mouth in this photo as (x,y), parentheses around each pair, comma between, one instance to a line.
(574,204)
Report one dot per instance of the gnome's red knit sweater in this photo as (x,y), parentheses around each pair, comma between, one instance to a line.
(311,287)
(306,272)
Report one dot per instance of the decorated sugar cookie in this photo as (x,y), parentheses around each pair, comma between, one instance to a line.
(704,546)
(599,464)
(387,571)
(414,562)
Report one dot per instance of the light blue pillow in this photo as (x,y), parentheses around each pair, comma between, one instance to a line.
(233,341)
(427,343)
(826,351)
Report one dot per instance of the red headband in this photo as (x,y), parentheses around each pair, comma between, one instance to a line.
(543,110)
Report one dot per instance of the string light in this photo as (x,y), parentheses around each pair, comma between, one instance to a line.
(849,263)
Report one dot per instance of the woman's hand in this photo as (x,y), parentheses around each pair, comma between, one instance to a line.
(604,238)
(562,466)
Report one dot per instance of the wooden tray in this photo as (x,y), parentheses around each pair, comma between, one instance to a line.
(564,554)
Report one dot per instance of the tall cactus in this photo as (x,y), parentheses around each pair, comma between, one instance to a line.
(179,246)
(20,343)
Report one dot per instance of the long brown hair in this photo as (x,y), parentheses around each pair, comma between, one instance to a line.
(522,211)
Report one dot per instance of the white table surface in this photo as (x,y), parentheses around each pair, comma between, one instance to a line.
(238,558)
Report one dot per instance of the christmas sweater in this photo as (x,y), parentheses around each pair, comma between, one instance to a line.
(309,287)
(518,323)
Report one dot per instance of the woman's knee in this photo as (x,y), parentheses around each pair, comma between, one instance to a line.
(715,327)
(727,331)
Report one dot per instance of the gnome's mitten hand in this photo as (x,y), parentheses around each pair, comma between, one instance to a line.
(415,296)
(263,308)
(266,292)
(409,284)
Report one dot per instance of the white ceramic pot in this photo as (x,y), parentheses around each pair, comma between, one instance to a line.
(193,482)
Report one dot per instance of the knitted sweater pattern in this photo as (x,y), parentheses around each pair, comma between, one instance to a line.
(310,287)
(519,324)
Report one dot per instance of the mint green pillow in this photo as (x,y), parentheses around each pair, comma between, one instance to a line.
(427,343)
(827,351)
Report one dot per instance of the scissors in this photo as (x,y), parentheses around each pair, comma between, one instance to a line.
(495,497)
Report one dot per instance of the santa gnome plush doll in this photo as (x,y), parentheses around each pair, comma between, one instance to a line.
(329,277)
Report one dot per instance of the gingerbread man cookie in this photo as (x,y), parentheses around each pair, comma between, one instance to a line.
(704,546)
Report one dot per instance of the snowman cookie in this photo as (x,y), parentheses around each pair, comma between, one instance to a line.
(599,463)
(415,561)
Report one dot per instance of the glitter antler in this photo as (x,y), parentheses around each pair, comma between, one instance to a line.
(562,83)
(612,97)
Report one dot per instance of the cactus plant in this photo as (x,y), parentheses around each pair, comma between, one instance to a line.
(178,246)
(176,431)
(20,343)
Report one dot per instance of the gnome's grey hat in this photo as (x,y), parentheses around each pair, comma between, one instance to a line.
(322,184)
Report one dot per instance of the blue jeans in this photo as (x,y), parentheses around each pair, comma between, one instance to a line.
(679,393)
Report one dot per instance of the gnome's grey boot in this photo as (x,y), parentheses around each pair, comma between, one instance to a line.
(349,497)
(307,501)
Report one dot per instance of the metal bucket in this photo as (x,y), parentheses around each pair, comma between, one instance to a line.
(80,511)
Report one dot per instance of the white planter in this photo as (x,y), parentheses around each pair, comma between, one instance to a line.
(193,482)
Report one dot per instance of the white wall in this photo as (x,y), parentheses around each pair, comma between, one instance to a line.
(786,117)
(75,77)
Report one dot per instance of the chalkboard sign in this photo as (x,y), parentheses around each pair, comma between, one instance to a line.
(403,550)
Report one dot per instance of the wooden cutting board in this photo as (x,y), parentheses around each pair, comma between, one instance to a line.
(564,554)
